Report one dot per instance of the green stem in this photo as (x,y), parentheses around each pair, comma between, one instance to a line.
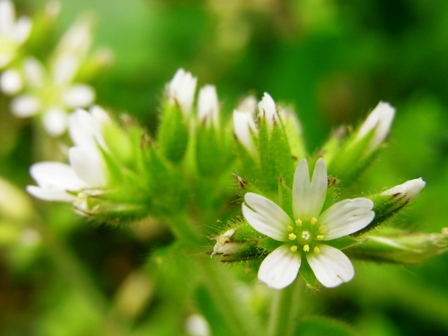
(222,289)
(80,279)
(284,310)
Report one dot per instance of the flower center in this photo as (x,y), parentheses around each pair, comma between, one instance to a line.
(305,235)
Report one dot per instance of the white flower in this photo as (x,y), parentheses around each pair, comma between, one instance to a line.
(406,192)
(208,106)
(304,236)
(181,90)
(62,182)
(12,33)
(52,93)
(380,121)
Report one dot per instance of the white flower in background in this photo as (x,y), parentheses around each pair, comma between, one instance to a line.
(13,33)
(52,93)
(208,106)
(181,90)
(86,174)
(197,325)
(306,233)
(379,121)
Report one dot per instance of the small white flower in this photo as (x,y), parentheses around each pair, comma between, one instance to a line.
(405,192)
(62,182)
(380,121)
(181,90)
(208,106)
(12,33)
(51,93)
(304,236)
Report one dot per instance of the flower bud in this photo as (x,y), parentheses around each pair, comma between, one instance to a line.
(181,90)
(400,246)
(377,124)
(208,106)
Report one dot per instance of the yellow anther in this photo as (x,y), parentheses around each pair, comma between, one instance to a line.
(317,249)
(289,228)
(292,236)
(320,237)
(293,248)
(313,220)
(298,222)
(306,248)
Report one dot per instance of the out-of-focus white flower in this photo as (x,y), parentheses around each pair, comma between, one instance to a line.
(181,90)
(379,121)
(52,93)
(306,233)
(13,33)
(86,174)
(208,106)
(196,325)
(11,81)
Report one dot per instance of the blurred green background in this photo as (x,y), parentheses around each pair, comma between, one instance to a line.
(333,60)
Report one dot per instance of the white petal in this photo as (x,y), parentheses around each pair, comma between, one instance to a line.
(100,114)
(280,268)
(7,17)
(22,29)
(379,120)
(64,69)
(88,165)
(347,217)
(266,216)
(208,105)
(248,104)
(79,96)
(309,196)
(268,109)
(25,106)
(181,89)
(243,127)
(34,72)
(55,121)
(330,266)
(406,191)
(11,82)
(50,194)
(85,129)
(55,175)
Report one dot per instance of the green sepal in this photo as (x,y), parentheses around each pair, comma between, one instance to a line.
(213,154)
(308,275)
(173,134)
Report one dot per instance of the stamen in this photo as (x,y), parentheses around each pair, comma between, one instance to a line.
(313,220)
(292,236)
(306,248)
(306,235)
(293,248)
(323,229)
(320,237)
(317,249)
(298,222)
(289,228)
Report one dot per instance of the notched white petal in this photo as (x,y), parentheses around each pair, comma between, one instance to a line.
(79,96)
(280,268)
(88,165)
(50,194)
(330,266)
(25,106)
(266,217)
(347,217)
(309,195)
